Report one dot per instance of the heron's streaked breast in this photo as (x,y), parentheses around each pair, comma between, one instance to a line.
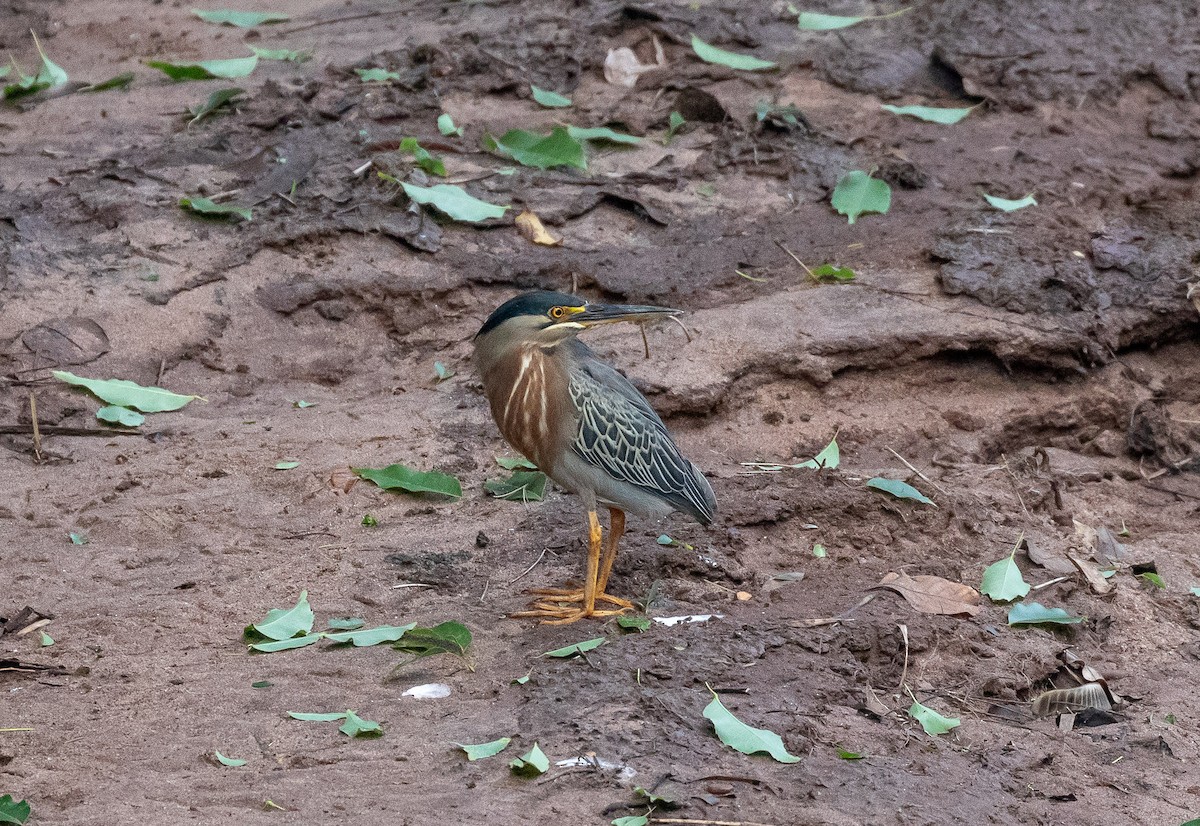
(528,395)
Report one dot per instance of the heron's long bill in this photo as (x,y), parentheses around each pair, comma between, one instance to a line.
(594,314)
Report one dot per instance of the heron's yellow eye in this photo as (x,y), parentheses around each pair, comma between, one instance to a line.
(557,313)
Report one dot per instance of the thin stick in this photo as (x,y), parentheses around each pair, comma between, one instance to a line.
(162,368)
(941,490)
(904,673)
(55,430)
(795,258)
(6,730)
(530,568)
(37,433)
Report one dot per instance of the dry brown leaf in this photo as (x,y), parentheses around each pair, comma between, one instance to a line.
(343,479)
(873,704)
(932,594)
(1059,700)
(532,228)
(1091,572)
(622,67)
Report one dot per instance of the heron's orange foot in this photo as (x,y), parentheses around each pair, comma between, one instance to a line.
(558,614)
(576,595)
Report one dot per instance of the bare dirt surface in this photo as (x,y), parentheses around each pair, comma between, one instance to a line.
(1040,369)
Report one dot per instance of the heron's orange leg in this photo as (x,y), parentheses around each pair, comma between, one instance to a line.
(557,609)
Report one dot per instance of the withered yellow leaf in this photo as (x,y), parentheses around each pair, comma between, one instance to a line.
(531,227)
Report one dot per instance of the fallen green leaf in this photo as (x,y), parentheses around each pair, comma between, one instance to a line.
(522,680)
(849,755)
(1034,613)
(857,193)
(711,54)
(1006,205)
(301,405)
(819,551)
(1003,582)
(50,73)
(77,538)
(932,114)
(47,640)
(369,521)
(426,161)
(454,202)
(317,717)
(634,623)
(531,763)
(674,124)
(219,98)
(369,636)
(522,486)
(261,684)
(515,463)
(289,464)
(901,490)
(286,55)
(346,623)
(445,125)
(127,394)
(241,19)
(1153,578)
(575,648)
(1195,590)
(828,272)
(442,371)
(13,811)
(400,477)
(551,100)
(602,133)
(632,820)
(356,726)
(540,151)
(286,645)
(206,207)
(117,82)
(815,21)
(779,115)
(656,799)
(115,414)
(482,750)
(232,762)
(376,75)
(284,623)
(445,638)
(741,737)
(206,69)
(932,722)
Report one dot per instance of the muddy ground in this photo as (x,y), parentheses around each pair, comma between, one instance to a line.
(1039,370)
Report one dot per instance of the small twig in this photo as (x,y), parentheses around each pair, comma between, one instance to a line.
(486,585)
(55,430)
(348,19)
(37,433)
(162,368)
(941,490)
(413,585)
(796,259)
(530,568)
(904,673)
(6,730)
(686,334)
(1050,582)
(361,169)
(645,341)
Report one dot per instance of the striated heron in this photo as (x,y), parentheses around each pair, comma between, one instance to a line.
(587,428)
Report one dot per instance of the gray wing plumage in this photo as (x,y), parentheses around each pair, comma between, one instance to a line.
(622,435)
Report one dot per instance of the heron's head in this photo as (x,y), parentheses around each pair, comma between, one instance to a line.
(544,319)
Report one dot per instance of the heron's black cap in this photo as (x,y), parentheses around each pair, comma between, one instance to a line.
(534,303)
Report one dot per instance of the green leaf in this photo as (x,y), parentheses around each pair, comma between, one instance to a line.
(286,55)
(551,100)
(829,457)
(127,393)
(576,648)
(932,114)
(369,521)
(206,69)
(204,206)
(261,684)
(51,73)
(515,462)
(301,405)
(445,638)
(741,737)
(1034,613)
(317,717)
(933,723)
(531,763)
(632,820)
(636,623)
(219,98)
(77,538)
(1009,206)
(901,490)
(400,477)
(602,133)
(241,19)
(674,124)
(522,486)
(442,371)
(857,193)
(819,551)
(711,54)
(482,750)
(12,811)
(115,414)
(289,464)
(347,623)
(116,82)
(814,21)
(446,126)
(1195,591)
(849,755)
(454,202)
(376,75)
(25,85)
(430,163)
(356,726)
(1003,582)
(1153,578)
(369,636)
(828,272)
(47,640)
(540,151)
(286,645)
(232,762)
(284,623)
